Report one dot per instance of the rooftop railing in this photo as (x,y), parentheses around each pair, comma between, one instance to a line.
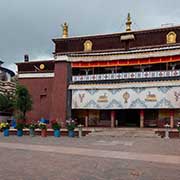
(126,76)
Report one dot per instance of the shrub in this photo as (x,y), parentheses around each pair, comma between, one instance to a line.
(70,125)
(56,126)
(42,125)
(19,126)
(32,126)
(4,125)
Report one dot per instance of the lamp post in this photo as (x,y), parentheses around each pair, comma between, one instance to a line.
(178,127)
(167,126)
(80,130)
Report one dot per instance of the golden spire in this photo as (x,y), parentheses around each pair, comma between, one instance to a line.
(65,30)
(128,23)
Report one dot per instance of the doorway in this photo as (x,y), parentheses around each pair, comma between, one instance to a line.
(128,118)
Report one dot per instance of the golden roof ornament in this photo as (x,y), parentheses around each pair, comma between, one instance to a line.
(65,30)
(42,66)
(128,23)
(88,45)
(171,37)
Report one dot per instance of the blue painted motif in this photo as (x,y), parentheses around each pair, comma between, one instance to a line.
(138,103)
(164,89)
(92,104)
(92,91)
(163,103)
(138,90)
(114,91)
(114,104)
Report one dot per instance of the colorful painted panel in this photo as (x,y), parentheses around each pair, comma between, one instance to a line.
(130,98)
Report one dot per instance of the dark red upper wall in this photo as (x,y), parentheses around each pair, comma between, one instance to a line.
(110,42)
(33,66)
(153,38)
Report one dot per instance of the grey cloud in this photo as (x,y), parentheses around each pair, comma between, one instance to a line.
(27,26)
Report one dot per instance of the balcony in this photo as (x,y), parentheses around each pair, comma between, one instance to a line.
(127,76)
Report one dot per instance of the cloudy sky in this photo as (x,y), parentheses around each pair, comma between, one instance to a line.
(27,26)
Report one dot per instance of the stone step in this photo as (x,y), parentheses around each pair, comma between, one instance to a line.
(112,135)
(126,133)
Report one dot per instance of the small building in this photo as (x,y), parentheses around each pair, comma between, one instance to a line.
(6,87)
(130,78)
(6,84)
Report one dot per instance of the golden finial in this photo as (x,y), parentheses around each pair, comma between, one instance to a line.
(171,37)
(128,23)
(88,45)
(65,30)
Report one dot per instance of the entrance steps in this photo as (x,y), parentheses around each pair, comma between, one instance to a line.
(125,132)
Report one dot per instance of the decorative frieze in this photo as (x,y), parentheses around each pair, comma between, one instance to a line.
(125,85)
(131,75)
(129,98)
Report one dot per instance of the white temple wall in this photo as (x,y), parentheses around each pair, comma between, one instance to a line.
(127,98)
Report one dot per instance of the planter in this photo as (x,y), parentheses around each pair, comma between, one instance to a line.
(6,132)
(71,133)
(43,133)
(57,133)
(19,132)
(32,132)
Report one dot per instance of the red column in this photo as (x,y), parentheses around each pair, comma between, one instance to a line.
(113,119)
(141,118)
(172,118)
(86,121)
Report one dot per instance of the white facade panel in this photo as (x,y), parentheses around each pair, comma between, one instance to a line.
(130,98)
(36,75)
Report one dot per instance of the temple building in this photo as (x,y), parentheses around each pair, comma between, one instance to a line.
(7,87)
(6,84)
(125,79)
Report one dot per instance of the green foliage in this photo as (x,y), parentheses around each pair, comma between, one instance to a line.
(178,129)
(19,126)
(56,126)
(32,126)
(4,126)
(6,103)
(178,126)
(23,101)
(19,116)
(42,125)
(70,125)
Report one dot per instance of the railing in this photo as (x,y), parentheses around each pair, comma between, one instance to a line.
(131,75)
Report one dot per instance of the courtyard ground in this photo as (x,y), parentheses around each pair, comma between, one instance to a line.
(89,158)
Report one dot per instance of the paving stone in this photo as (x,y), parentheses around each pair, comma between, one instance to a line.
(23,164)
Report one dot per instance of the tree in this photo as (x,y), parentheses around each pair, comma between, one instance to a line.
(23,101)
(6,103)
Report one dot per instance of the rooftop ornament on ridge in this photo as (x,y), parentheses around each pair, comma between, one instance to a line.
(65,30)
(128,23)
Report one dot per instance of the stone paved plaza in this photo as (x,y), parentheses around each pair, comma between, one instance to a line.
(89,158)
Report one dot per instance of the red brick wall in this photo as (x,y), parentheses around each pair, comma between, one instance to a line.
(41,92)
(59,93)
(49,94)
